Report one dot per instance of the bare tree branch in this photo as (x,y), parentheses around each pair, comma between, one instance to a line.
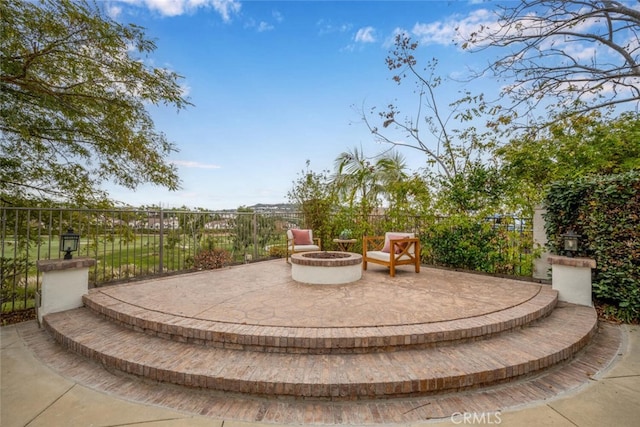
(577,55)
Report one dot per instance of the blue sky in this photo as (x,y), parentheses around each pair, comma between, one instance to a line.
(277,83)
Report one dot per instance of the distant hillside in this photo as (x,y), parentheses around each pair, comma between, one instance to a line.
(278,207)
(260,207)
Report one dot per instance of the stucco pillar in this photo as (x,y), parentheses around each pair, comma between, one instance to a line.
(571,277)
(64,282)
(541,265)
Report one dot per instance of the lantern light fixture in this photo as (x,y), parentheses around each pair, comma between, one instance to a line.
(69,242)
(570,242)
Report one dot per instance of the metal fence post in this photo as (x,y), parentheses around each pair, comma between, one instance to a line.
(255,236)
(161,250)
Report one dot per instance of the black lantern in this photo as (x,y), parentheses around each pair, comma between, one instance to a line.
(570,242)
(69,242)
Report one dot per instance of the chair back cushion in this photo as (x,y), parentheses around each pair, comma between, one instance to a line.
(393,235)
(300,237)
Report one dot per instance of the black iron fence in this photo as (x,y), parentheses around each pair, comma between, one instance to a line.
(134,244)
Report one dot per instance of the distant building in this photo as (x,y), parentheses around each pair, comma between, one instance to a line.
(221,224)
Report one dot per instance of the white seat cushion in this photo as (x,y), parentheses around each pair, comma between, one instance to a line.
(383,256)
(305,248)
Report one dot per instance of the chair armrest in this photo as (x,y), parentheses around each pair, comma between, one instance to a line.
(403,246)
(318,241)
(372,243)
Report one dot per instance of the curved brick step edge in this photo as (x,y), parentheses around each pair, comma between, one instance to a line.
(550,384)
(338,376)
(309,340)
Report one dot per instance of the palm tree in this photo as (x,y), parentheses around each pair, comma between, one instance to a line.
(357,180)
(392,168)
(365,181)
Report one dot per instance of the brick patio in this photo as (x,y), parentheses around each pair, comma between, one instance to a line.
(380,350)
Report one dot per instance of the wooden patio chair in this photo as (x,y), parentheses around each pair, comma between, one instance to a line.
(391,250)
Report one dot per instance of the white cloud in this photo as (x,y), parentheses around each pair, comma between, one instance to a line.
(581,52)
(277,16)
(195,165)
(113,11)
(264,26)
(366,35)
(225,8)
(454,28)
(390,41)
(325,27)
(185,89)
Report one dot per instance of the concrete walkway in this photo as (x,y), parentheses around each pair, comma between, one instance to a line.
(34,395)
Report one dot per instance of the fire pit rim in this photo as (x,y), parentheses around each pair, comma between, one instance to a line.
(350,259)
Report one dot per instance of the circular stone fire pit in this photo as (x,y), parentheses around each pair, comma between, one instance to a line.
(326,267)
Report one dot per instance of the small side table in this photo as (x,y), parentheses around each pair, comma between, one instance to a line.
(345,244)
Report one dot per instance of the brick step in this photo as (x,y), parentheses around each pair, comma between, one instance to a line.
(582,370)
(500,358)
(315,340)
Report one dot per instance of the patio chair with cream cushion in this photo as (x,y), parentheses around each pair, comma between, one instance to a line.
(391,250)
(301,241)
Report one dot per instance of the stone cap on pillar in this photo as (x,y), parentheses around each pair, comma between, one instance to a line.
(572,262)
(64,264)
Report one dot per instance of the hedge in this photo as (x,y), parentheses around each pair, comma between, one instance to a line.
(605,211)
(470,243)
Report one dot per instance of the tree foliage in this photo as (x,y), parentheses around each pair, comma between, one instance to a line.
(364,183)
(251,230)
(313,195)
(429,127)
(73,96)
(456,156)
(576,55)
(605,211)
(480,190)
(548,64)
(358,180)
(571,147)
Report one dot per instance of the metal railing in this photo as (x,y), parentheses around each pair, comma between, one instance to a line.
(134,244)
(128,244)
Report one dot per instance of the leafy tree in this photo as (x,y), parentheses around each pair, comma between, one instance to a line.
(407,194)
(479,190)
(364,183)
(448,150)
(463,174)
(73,90)
(358,181)
(455,157)
(251,230)
(312,192)
(570,148)
(244,227)
(581,55)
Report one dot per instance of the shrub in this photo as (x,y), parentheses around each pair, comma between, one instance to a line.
(472,243)
(278,251)
(462,242)
(605,211)
(211,258)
